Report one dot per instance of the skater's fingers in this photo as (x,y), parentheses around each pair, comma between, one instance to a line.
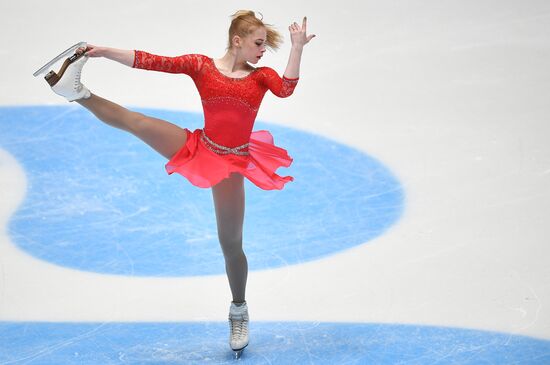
(93,51)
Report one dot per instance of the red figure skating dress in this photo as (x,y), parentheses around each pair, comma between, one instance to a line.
(226,143)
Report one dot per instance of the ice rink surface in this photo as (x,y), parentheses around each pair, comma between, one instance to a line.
(416,230)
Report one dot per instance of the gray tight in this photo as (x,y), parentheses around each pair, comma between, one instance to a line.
(228,195)
(229,203)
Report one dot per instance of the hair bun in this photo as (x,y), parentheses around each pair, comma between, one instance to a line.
(242,13)
(244,21)
(245,13)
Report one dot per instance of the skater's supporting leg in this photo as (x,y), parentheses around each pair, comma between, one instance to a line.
(164,137)
(229,204)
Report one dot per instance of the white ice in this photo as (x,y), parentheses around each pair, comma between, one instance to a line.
(451,95)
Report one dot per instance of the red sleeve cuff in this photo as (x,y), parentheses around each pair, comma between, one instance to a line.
(290,78)
(135,59)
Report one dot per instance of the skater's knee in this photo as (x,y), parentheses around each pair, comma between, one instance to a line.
(232,248)
(234,256)
(137,122)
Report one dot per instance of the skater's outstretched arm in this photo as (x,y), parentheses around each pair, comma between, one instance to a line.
(299,39)
(126,57)
(189,64)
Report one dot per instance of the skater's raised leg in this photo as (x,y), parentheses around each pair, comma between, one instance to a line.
(164,137)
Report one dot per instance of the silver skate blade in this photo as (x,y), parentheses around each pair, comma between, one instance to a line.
(238,353)
(63,54)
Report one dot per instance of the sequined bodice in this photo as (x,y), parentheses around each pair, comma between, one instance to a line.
(230,104)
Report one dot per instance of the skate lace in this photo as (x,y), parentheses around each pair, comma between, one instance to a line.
(77,84)
(239,327)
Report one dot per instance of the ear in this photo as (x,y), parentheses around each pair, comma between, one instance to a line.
(237,41)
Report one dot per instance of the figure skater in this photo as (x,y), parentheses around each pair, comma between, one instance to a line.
(226,150)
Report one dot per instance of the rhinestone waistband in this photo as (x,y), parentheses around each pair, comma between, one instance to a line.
(223,150)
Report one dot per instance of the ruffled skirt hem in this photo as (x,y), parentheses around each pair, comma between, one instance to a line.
(205,168)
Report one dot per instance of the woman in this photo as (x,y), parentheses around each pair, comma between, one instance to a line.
(226,150)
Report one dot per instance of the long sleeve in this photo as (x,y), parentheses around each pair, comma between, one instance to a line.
(189,64)
(280,86)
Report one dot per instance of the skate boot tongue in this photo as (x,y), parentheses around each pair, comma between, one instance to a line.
(238,312)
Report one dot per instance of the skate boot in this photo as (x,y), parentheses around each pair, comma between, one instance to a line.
(238,323)
(67,82)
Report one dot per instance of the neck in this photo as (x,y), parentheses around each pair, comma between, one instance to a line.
(231,61)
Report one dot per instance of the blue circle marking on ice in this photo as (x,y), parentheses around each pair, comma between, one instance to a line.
(100,200)
(271,343)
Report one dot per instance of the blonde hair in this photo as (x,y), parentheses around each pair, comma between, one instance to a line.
(245,22)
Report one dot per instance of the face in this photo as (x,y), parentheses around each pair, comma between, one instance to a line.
(253,45)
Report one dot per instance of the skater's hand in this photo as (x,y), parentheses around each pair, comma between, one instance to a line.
(93,51)
(298,35)
(126,57)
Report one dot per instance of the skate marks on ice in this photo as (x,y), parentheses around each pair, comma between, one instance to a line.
(99,200)
(271,343)
(93,190)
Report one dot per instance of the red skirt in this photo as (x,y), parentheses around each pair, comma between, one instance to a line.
(205,168)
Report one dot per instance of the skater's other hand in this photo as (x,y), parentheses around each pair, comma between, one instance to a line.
(298,34)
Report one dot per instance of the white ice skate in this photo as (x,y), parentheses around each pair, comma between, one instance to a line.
(67,81)
(238,323)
